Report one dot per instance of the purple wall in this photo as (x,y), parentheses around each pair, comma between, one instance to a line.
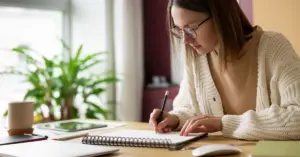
(247,6)
(157,60)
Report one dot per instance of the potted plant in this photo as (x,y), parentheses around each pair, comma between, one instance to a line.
(56,82)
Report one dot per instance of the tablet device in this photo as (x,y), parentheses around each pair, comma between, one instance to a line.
(71,126)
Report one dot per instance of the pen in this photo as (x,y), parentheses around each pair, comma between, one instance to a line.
(45,136)
(70,136)
(160,116)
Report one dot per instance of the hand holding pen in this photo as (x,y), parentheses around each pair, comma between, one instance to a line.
(162,121)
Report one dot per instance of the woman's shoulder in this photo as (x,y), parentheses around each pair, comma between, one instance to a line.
(276,47)
(277,53)
(273,38)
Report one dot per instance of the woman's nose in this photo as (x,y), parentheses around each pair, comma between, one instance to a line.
(187,39)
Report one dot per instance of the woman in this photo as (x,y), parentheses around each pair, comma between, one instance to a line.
(238,79)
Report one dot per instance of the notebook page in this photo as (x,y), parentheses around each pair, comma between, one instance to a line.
(173,136)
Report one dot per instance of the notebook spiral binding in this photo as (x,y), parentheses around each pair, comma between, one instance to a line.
(127,141)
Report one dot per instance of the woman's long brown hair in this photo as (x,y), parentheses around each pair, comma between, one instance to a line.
(231,25)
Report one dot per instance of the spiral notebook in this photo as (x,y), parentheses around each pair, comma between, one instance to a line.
(141,138)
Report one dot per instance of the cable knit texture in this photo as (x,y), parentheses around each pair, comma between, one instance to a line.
(277,113)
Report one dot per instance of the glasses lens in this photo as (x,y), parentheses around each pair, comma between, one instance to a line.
(176,32)
(190,32)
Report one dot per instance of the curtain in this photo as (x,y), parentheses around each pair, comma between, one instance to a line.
(128,55)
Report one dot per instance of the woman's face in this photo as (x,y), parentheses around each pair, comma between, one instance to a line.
(204,39)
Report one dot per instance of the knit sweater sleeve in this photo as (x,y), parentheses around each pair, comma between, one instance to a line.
(182,106)
(281,120)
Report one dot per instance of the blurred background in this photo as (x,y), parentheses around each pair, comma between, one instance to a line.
(103,59)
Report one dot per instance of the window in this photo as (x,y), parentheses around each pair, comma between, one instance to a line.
(39,29)
(39,24)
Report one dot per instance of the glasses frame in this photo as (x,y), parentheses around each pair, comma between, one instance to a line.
(191,32)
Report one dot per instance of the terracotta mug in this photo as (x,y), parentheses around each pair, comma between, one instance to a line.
(20,118)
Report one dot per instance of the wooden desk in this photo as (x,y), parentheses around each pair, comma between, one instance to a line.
(158,152)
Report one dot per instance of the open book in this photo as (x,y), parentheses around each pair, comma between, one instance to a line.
(141,138)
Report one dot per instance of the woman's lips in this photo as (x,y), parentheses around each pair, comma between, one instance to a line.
(196,47)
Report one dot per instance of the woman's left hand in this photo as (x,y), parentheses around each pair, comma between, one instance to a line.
(203,123)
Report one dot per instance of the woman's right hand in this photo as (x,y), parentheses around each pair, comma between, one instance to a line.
(168,123)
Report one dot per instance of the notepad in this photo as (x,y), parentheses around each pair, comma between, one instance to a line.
(141,138)
(277,149)
(52,148)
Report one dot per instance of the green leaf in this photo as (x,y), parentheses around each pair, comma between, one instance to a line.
(65,45)
(67,48)
(96,108)
(34,93)
(96,91)
(78,53)
(105,80)
(34,79)
(89,57)
(75,113)
(49,65)
(64,75)
(22,50)
(84,67)
(58,100)
(83,82)
(37,105)
(56,84)
(74,68)
(90,114)
(5,113)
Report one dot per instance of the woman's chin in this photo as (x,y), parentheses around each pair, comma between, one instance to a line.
(201,51)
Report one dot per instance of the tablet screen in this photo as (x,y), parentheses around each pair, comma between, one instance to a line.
(71,126)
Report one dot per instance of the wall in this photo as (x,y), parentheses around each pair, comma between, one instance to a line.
(157,59)
(280,16)
(247,6)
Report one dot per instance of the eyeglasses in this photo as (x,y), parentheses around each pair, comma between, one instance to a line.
(191,32)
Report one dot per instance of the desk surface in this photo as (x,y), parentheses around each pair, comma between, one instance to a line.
(145,152)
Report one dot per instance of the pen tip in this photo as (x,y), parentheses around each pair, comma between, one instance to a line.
(167,92)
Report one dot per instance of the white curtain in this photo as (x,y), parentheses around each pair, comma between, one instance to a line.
(128,46)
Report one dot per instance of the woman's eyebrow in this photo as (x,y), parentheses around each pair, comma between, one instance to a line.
(190,23)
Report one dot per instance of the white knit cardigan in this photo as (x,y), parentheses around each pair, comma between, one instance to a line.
(277,113)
